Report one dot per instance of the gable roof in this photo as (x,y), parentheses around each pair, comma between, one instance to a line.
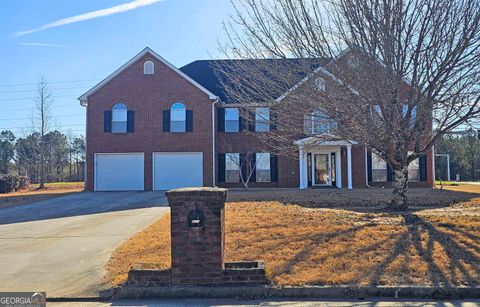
(84,98)
(205,72)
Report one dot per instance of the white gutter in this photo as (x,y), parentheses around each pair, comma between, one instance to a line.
(86,144)
(214,181)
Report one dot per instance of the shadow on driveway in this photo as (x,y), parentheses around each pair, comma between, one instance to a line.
(81,204)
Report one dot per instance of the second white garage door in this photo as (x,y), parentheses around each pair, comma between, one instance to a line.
(177,170)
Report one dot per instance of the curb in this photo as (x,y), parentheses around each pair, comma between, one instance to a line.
(132,292)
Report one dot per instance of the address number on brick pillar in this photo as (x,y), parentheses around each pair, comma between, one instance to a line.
(195,218)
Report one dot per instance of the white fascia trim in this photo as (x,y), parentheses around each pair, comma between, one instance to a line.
(324,140)
(84,98)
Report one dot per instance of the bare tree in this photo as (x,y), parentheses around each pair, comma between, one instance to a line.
(243,162)
(395,75)
(41,121)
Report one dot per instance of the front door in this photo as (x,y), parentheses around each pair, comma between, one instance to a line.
(322,169)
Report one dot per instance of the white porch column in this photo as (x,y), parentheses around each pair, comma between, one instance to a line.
(349,166)
(338,168)
(303,169)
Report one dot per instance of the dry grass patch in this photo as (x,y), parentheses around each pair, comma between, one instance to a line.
(334,246)
(149,246)
(34,194)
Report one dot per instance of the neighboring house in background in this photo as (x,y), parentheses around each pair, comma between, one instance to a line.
(152,126)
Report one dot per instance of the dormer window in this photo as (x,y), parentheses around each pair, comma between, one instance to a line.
(148,68)
(320,84)
(353,62)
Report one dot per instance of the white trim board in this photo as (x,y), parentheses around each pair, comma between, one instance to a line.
(84,98)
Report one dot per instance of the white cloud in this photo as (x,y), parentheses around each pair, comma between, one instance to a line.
(43,45)
(91,15)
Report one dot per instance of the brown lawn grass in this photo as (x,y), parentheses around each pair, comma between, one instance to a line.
(344,244)
(34,194)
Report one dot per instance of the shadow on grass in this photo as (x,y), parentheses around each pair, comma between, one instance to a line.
(422,253)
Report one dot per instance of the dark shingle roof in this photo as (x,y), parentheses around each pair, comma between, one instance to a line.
(205,72)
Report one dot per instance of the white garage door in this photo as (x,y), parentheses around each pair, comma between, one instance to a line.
(119,172)
(177,170)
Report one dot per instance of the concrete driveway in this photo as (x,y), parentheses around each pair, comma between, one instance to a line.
(61,245)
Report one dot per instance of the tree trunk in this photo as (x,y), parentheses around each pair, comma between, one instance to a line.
(400,188)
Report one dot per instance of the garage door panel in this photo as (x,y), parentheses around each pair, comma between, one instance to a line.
(119,172)
(176,170)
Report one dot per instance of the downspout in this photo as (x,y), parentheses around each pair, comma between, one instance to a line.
(84,103)
(214,181)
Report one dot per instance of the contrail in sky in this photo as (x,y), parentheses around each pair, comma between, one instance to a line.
(91,15)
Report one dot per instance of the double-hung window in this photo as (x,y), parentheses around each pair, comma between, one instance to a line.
(232,120)
(177,117)
(262,119)
(414,169)
(379,168)
(262,169)
(119,118)
(232,167)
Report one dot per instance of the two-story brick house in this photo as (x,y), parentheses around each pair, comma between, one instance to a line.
(152,126)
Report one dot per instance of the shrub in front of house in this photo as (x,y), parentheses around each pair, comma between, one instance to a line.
(12,182)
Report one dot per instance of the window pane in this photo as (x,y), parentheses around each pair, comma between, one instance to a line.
(232,120)
(231,114)
(232,161)
(320,84)
(320,122)
(232,167)
(119,127)
(119,112)
(262,119)
(307,123)
(262,176)
(262,127)
(379,169)
(262,167)
(232,176)
(379,175)
(119,118)
(262,161)
(148,68)
(177,115)
(177,112)
(232,126)
(377,162)
(413,169)
(177,126)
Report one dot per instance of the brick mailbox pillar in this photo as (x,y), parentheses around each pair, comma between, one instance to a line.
(197,235)
(198,243)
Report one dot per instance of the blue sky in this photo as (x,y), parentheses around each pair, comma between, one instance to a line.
(87,51)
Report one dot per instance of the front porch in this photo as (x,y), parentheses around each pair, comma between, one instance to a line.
(320,162)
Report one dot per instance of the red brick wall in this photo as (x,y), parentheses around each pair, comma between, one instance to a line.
(148,96)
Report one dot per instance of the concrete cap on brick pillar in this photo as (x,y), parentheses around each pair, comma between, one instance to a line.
(199,191)
(215,197)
